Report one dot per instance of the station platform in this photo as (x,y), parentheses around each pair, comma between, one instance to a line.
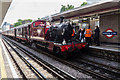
(7,70)
(107,47)
(106,51)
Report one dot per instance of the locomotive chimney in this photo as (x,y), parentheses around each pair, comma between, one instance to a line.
(61,19)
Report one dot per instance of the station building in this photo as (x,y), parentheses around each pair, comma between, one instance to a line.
(6,26)
(105,14)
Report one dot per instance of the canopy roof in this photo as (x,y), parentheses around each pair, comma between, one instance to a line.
(88,10)
(4,5)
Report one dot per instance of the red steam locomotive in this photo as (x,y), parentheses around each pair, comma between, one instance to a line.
(57,38)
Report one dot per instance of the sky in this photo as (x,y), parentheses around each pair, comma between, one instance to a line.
(34,9)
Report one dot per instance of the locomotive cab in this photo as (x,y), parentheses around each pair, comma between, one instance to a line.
(38,29)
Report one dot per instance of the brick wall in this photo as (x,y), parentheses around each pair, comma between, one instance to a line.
(110,21)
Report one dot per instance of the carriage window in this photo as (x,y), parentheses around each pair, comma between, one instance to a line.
(33,24)
(39,24)
(19,30)
(47,23)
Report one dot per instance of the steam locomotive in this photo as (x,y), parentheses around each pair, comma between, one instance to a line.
(61,32)
(55,38)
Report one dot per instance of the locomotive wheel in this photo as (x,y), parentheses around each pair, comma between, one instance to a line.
(37,46)
(65,55)
(58,50)
(33,45)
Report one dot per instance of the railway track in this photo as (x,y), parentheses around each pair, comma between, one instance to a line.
(56,72)
(99,73)
(29,65)
(18,67)
(106,66)
(108,72)
(94,69)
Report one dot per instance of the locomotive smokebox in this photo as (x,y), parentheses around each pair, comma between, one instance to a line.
(61,19)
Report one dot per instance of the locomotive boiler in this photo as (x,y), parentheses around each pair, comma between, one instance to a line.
(60,33)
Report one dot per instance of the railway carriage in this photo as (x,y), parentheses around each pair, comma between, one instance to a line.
(35,33)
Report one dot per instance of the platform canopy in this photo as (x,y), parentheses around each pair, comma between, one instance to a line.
(4,5)
(89,10)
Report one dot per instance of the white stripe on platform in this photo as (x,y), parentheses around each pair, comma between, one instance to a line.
(116,50)
(9,61)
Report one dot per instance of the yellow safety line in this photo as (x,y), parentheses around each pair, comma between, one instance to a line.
(3,71)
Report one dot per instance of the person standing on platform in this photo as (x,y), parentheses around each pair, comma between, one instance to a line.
(88,34)
(81,38)
(97,35)
(73,33)
(79,33)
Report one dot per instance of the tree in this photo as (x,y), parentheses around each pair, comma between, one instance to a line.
(29,20)
(17,24)
(70,7)
(20,22)
(65,8)
(84,3)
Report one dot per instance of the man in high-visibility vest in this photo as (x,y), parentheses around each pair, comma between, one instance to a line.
(88,34)
(73,33)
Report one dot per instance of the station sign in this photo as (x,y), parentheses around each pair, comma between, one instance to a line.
(84,21)
(109,33)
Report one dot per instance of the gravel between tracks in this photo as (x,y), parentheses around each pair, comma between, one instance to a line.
(39,68)
(15,67)
(24,67)
(63,67)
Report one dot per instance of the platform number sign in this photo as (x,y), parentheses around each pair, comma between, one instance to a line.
(109,33)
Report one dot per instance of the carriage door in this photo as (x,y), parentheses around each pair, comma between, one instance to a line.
(29,31)
(25,32)
(15,33)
